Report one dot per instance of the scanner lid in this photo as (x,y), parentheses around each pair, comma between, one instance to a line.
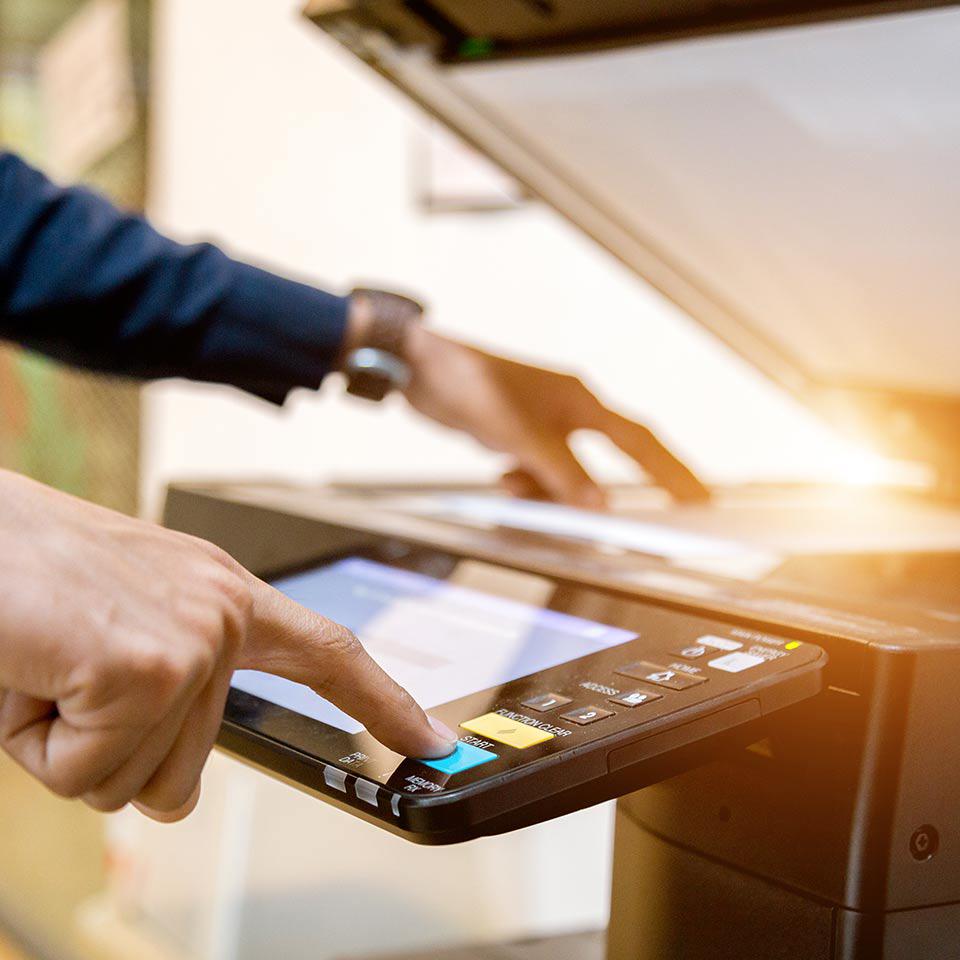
(788,174)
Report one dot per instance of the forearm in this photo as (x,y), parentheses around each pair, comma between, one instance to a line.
(83,282)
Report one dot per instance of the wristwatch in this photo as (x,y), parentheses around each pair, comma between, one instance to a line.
(378,364)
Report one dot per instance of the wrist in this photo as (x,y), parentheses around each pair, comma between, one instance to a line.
(357,332)
(419,343)
(376,347)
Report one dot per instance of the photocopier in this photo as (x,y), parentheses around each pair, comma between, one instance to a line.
(787,174)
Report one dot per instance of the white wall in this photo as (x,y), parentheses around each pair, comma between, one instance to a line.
(273,141)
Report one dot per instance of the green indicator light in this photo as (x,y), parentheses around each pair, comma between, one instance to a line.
(476,47)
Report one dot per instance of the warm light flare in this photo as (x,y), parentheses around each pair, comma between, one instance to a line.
(853,465)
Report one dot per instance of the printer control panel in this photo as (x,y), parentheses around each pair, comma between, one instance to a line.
(615,695)
(550,685)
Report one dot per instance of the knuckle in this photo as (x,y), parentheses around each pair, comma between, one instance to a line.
(241,595)
(224,626)
(156,667)
(217,555)
(575,384)
(167,798)
(174,816)
(105,802)
(406,701)
(164,671)
(580,398)
(340,642)
(67,781)
(239,601)
(218,603)
(180,799)
(340,634)
(198,664)
(645,436)
(204,546)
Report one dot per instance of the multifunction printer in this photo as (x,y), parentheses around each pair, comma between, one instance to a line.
(787,175)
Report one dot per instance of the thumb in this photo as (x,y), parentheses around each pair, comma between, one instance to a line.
(290,641)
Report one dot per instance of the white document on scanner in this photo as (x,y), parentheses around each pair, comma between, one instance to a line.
(683,547)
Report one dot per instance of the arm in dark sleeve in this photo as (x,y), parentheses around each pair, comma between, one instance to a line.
(87,284)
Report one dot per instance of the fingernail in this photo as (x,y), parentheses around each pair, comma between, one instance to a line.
(441,729)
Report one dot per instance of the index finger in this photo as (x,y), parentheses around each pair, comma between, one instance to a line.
(639,443)
(298,644)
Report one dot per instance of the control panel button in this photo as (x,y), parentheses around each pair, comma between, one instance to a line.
(503,730)
(585,715)
(660,676)
(692,652)
(465,757)
(636,698)
(334,778)
(719,643)
(736,662)
(546,702)
(367,792)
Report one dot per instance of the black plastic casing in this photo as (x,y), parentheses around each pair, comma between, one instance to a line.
(460,31)
(840,840)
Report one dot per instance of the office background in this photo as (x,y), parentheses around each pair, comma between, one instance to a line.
(267,138)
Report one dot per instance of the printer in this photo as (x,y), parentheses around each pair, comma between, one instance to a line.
(786,174)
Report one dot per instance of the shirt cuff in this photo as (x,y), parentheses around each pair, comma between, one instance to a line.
(270,335)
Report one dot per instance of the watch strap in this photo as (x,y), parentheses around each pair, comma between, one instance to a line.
(378,365)
(391,316)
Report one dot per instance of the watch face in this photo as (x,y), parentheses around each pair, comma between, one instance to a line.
(369,385)
(372,373)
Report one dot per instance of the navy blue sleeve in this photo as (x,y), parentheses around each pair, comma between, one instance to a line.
(90,285)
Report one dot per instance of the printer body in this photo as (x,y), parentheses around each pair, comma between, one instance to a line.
(833,831)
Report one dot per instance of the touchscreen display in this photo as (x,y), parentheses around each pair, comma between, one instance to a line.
(439,640)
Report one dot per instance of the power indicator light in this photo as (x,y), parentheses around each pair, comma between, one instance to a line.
(792,645)
(475,48)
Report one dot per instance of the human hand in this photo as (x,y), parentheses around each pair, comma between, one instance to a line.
(530,413)
(118,640)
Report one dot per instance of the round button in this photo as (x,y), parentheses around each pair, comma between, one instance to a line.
(924,843)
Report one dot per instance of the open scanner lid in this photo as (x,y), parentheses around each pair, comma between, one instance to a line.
(787,173)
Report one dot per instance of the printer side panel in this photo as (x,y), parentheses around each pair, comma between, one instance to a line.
(924,864)
(807,843)
(785,808)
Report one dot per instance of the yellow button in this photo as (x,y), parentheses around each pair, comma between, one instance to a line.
(503,730)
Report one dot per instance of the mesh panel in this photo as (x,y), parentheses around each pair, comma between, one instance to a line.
(71,430)
(75,431)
